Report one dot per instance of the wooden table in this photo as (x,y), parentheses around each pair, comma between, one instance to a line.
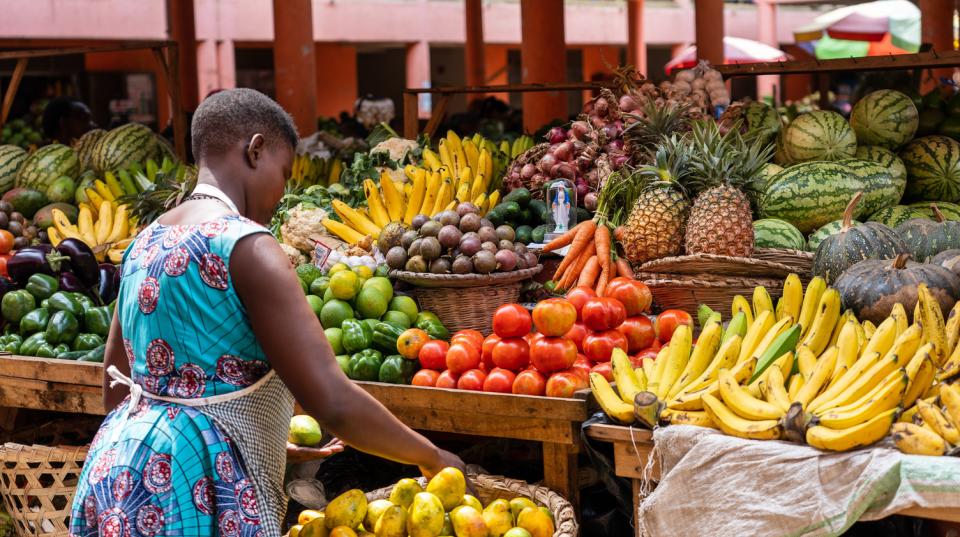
(65,386)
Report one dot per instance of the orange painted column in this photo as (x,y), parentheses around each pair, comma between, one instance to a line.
(418,75)
(767,26)
(181,25)
(936,28)
(636,44)
(474,59)
(709,30)
(542,59)
(295,69)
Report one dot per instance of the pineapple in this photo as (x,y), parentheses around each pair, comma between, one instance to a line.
(654,121)
(170,186)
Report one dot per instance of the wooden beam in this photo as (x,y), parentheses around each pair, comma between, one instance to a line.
(474,60)
(294,62)
(708,30)
(169,69)
(66,51)
(12,89)
(543,60)
(515,88)
(920,60)
(411,114)
(636,44)
(436,115)
(181,26)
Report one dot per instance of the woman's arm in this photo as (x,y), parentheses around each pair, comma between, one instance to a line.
(114,355)
(292,338)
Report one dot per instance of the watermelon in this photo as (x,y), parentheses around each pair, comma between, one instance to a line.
(880,188)
(886,118)
(884,157)
(811,194)
(774,233)
(820,135)
(933,169)
(11,157)
(26,201)
(830,228)
(895,215)
(124,146)
(84,147)
(780,156)
(762,121)
(950,211)
(46,165)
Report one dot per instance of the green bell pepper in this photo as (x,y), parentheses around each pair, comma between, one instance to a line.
(41,286)
(357,335)
(397,370)
(11,343)
(96,355)
(97,320)
(16,304)
(385,337)
(343,360)
(61,348)
(72,355)
(29,346)
(45,350)
(35,321)
(62,328)
(365,365)
(87,342)
(85,302)
(434,328)
(67,302)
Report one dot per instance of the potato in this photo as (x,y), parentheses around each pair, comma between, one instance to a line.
(374,510)
(468,522)
(449,485)
(426,516)
(404,491)
(498,517)
(392,523)
(347,509)
(536,522)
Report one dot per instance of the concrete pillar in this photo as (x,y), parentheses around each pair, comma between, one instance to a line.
(418,74)
(936,28)
(709,30)
(208,66)
(474,59)
(226,64)
(767,26)
(181,25)
(294,66)
(542,59)
(636,44)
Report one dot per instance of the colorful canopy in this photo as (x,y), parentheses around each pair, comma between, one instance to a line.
(828,48)
(735,50)
(871,21)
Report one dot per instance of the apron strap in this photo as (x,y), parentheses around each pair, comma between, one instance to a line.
(136,391)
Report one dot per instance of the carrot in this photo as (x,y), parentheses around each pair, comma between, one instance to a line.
(601,283)
(570,275)
(623,268)
(602,237)
(563,240)
(590,272)
(579,243)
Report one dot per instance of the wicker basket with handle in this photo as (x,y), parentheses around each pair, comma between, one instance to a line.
(37,484)
(678,291)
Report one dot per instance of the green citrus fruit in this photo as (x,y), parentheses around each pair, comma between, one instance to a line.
(334,312)
(405,305)
(316,304)
(335,337)
(337,267)
(363,271)
(382,270)
(304,431)
(397,318)
(371,304)
(319,286)
(344,285)
(381,285)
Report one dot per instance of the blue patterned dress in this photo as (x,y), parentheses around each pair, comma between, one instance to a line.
(168,469)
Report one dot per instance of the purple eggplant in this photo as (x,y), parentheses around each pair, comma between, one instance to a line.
(81,259)
(108,290)
(6,285)
(29,261)
(70,282)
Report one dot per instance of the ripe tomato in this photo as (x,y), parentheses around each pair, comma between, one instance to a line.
(6,241)
(551,354)
(603,313)
(576,334)
(486,351)
(582,366)
(433,354)
(646,354)
(554,316)
(447,380)
(4,259)
(472,380)
(499,380)
(511,353)
(639,331)
(598,346)
(425,377)
(410,342)
(604,368)
(529,382)
(462,357)
(512,320)
(634,295)
(668,321)
(578,296)
(473,336)
(565,384)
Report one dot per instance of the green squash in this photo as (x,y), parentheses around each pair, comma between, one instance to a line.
(926,238)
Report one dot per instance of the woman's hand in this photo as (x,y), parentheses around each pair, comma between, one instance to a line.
(297,454)
(443,459)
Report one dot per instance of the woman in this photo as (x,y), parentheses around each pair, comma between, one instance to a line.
(211,329)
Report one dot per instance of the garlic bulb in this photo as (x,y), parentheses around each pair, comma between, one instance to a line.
(685,75)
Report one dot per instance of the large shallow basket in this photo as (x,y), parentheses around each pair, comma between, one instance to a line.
(495,487)
(696,264)
(37,484)
(799,261)
(684,292)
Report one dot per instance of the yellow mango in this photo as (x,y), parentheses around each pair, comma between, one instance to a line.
(392,523)
(365,533)
(347,509)
(498,517)
(549,513)
(472,501)
(307,515)
(404,491)
(536,522)
(374,510)
(449,485)
(426,516)
(447,530)
(294,531)
(468,522)
(315,528)
(519,504)
(341,531)
(517,532)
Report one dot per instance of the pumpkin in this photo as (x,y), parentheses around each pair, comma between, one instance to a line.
(948,259)
(926,238)
(855,242)
(871,287)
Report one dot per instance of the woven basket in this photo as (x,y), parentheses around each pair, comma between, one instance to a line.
(495,487)
(799,262)
(461,308)
(37,484)
(426,279)
(677,291)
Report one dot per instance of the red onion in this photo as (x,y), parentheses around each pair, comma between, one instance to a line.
(592,177)
(578,146)
(590,201)
(615,145)
(602,107)
(563,151)
(582,189)
(564,170)
(618,161)
(627,103)
(514,176)
(528,170)
(597,122)
(611,131)
(546,162)
(538,179)
(579,129)
(556,135)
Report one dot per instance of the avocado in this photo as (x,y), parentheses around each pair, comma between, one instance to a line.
(496,216)
(524,234)
(526,215)
(538,233)
(510,210)
(44,217)
(539,210)
(26,201)
(520,195)
(62,189)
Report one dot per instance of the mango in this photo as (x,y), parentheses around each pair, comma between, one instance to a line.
(365,533)
(426,516)
(391,523)
(315,528)
(517,532)
(342,531)
(468,522)
(374,510)
(498,517)
(519,504)
(347,509)
(447,526)
(549,514)
(404,491)
(536,522)
(472,501)
(294,531)
(449,485)
(307,515)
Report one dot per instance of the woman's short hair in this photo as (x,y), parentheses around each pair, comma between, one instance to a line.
(231,115)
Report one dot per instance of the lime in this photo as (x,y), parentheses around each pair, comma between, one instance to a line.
(405,305)
(304,285)
(382,270)
(344,285)
(304,431)
(425,315)
(308,272)
(328,295)
(371,304)
(337,267)
(319,286)
(363,271)
(334,313)
(397,318)
(335,337)
(343,360)
(316,304)
(381,285)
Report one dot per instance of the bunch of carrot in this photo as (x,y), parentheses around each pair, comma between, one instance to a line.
(591,260)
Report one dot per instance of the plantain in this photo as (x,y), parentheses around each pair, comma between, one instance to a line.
(700,358)
(740,304)
(861,435)
(734,425)
(811,299)
(916,440)
(609,401)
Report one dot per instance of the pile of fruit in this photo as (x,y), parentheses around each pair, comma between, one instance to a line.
(20,132)
(444,508)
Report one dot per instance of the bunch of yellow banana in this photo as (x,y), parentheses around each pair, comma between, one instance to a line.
(309,170)
(107,234)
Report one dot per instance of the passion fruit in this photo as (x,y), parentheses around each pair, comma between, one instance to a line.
(448,218)
(486,223)
(487,234)
(462,265)
(416,264)
(408,237)
(430,229)
(532,260)
(506,260)
(397,258)
(484,262)
(430,248)
(419,220)
(470,245)
(504,244)
(470,222)
(440,266)
(490,247)
(506,233)
(449,236)
(414,248)
(466,208)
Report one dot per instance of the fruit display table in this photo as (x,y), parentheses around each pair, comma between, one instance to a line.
(76,387)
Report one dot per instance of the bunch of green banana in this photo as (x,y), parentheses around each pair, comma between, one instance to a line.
(309,170)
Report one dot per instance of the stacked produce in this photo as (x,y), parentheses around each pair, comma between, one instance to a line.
(310,170)
(443,508)
(22,132)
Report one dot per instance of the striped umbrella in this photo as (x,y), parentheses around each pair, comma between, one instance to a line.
(735,50)
(895,20)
